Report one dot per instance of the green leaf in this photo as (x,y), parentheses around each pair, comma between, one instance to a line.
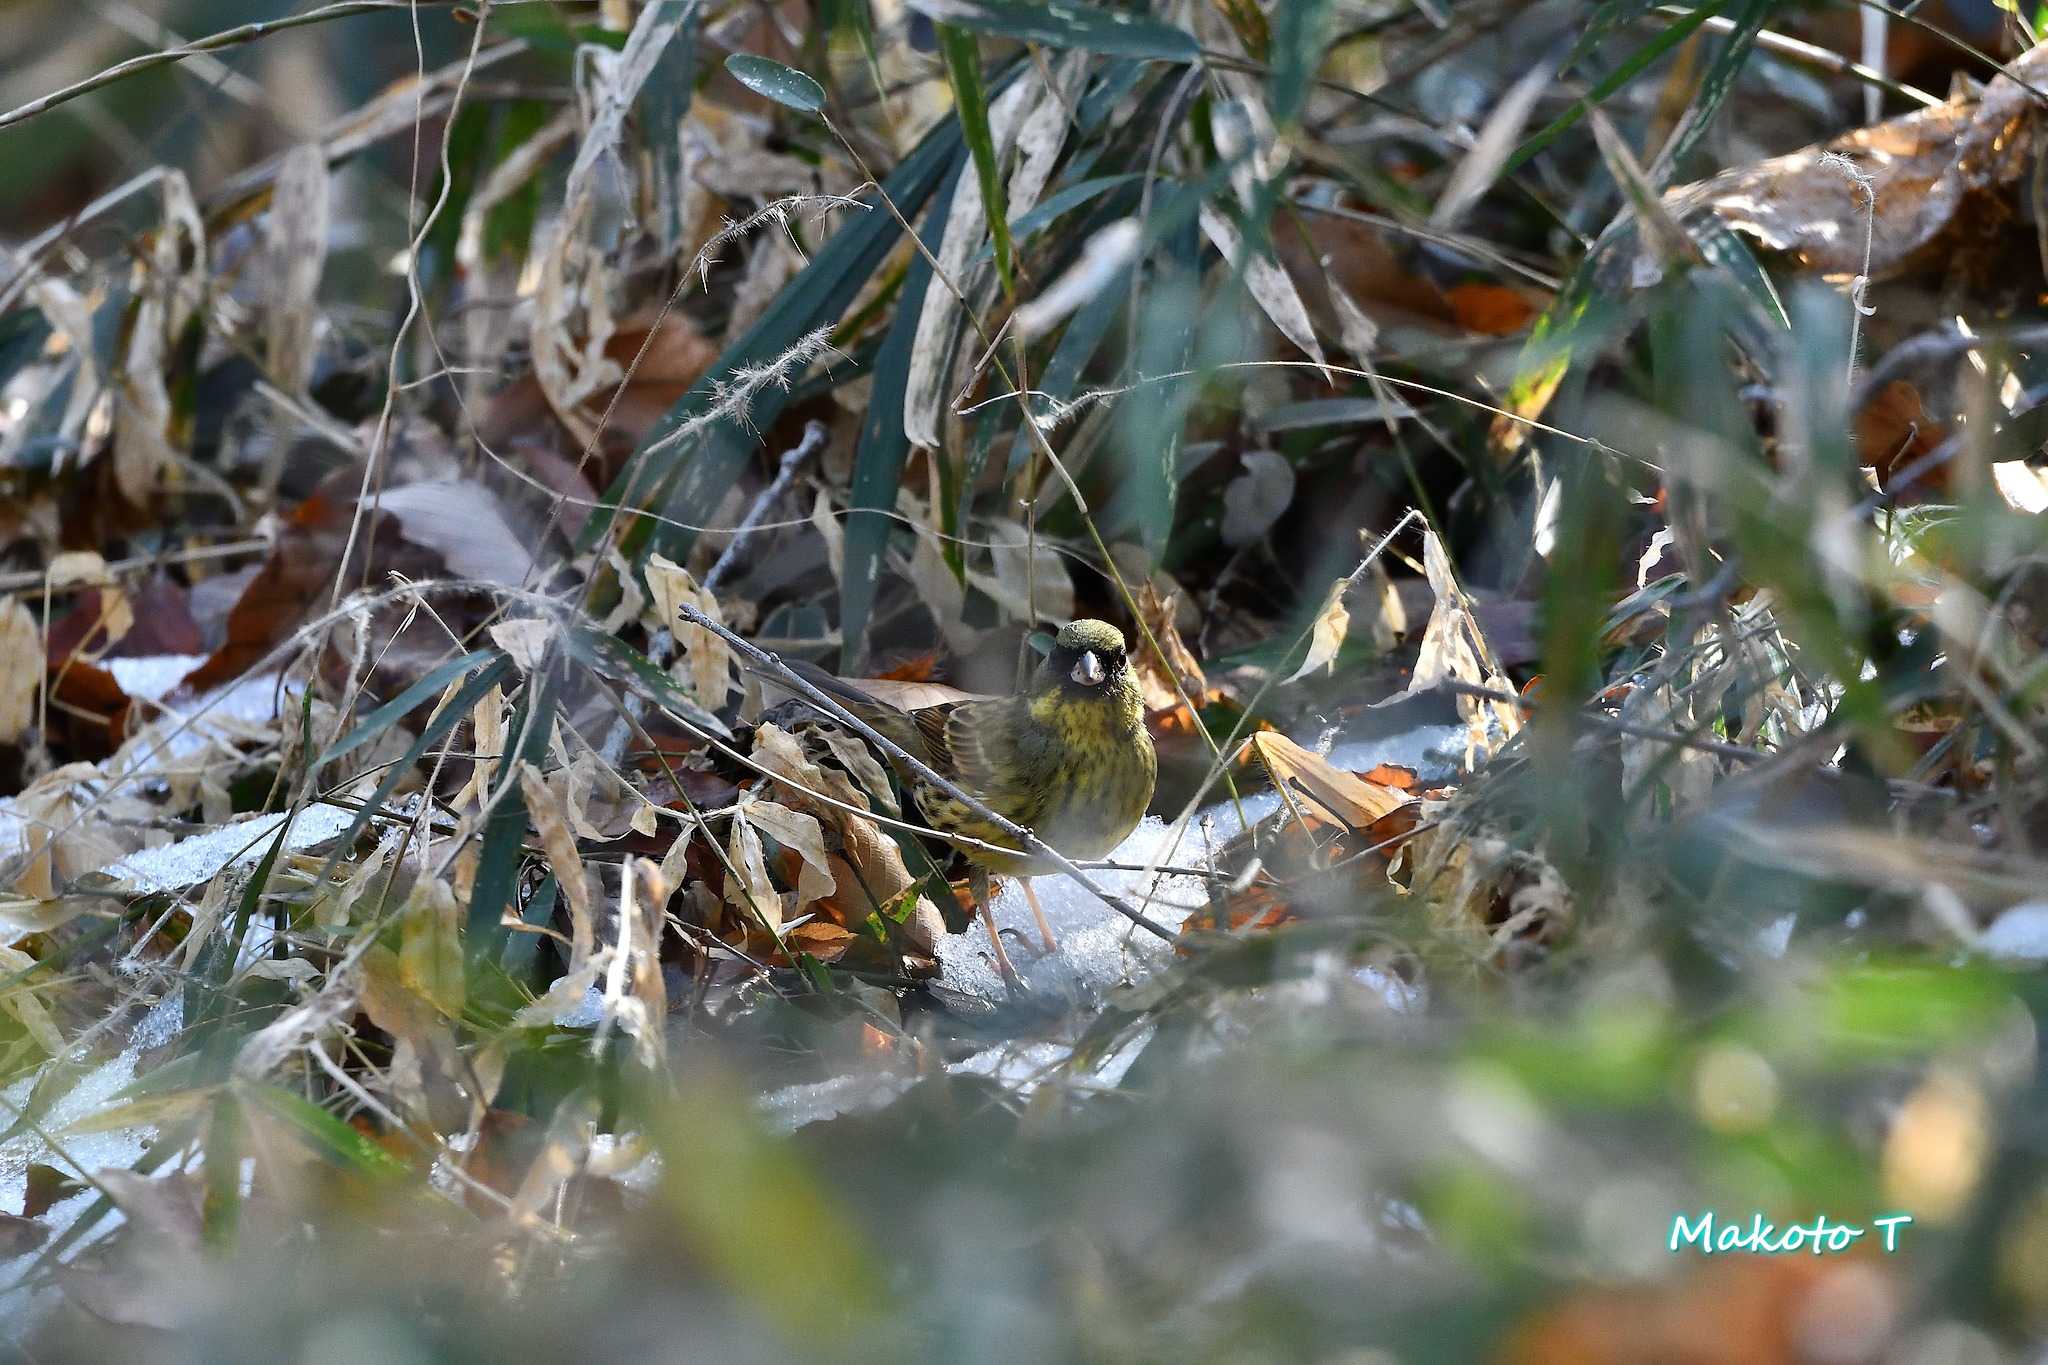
(970,98)
(206,994)
(1300,41)
(1058,23)
(1608,16)
(387,715)
(1716,84)
(882,448)
(1062,201)
(772,80)
(328,1134)
(1724,248)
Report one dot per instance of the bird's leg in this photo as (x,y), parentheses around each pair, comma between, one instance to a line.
(978,880)
(1044,928)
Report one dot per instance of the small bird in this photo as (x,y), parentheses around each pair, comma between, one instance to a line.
(1069,758)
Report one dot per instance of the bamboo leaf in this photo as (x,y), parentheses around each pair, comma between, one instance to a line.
(882,448)
(772,80)
(387,715)
(497,872)
(1062,24)
(328,1134)
(970,98)
(432,733)
(1638,61)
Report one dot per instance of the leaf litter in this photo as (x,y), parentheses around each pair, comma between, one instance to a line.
(389,862)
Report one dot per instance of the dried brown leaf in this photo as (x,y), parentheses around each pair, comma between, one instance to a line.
(706,667)
(21,668)
(1348,798)
(1332,624)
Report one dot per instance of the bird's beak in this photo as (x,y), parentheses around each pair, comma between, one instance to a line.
(1088,672)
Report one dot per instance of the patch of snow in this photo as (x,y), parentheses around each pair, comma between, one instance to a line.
(200,858)
(152,677)
(1774,938)
(1098,949)
(797,1106)
(2018,935)
(22,1303)
(1435,752)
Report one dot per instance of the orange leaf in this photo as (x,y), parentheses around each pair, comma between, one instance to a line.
(1490,309)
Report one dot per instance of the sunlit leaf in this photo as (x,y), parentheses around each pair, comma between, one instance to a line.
(772,80)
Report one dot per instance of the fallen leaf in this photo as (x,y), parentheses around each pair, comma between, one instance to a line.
(822,939)
(706,668)
(1454,647)
(1332,624)
(21,668)
(525,641)
(430,946)
(550,818)
(1924,169)
(801,835)
(1492,310)
(1895,430)
(1350,800)
(1156,679)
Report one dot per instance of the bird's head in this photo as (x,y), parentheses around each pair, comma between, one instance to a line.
(1086,656)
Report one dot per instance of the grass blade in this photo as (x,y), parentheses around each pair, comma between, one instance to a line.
(970,98)
(387,715)
(497,872)
(1638,61)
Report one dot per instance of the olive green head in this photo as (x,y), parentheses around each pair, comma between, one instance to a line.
(1086,656)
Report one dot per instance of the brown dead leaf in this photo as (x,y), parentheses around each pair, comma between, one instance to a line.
(21,671)
(917,668)
(1933,172)
(1492,310)
(822,939)
(1392,775)
(1332,624)
(1894,430)
(521,420)
(1454,647)
(911,696)
(46,1185)
(801,835)
(706,668)
(61,845)
(1155,684)
(1350,800)
(550,818)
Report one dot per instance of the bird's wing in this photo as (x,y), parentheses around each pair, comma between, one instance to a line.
(965,740)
